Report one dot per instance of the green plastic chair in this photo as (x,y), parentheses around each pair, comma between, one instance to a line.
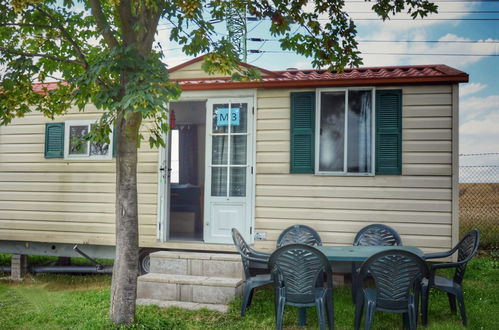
(397,277)
(254,262)
(373,235)
(299,234)
(302,277)
(466,249)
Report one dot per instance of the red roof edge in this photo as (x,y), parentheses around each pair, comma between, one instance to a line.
(325,83)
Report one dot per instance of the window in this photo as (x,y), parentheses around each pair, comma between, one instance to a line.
(344,131)
(75,130)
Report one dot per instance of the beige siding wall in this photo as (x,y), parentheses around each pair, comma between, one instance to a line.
(192,71)
(65,201)
(55,200)
(418,204)
(195,71)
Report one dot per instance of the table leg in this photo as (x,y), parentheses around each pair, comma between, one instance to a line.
(302,316)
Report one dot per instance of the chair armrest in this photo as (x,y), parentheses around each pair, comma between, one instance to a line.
(261,255)
(445,265)
(438,255)
(256,259)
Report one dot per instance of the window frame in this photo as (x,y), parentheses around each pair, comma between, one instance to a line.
(67,156)
(318,93)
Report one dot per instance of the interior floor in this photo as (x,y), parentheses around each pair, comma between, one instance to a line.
(186,236)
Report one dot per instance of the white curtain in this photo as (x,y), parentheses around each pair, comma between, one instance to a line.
(365,133)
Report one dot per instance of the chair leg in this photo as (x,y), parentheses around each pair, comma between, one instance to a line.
(413,316)
(452,302)
(330,309)
(279,312)
(462,308)
(321,317)
(246,296)
(370,308)
(359,309)
(302,316)
(406,321)
(417,297)
(250,298)
(354,282)
(425,295)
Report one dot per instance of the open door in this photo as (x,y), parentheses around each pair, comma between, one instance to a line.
(229,159)
(164,174)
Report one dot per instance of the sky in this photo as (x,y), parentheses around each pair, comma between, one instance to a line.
(461,27)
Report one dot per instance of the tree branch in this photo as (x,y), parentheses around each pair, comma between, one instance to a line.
(127,22)
(51,57)
(150,30)
(102,24)
(70,39)
(66,34)
(39,26)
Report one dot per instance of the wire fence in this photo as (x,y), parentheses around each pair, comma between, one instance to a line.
(479,197)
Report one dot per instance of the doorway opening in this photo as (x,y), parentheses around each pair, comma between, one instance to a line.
(187,171)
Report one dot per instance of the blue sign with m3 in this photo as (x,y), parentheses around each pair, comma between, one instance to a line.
(223,117)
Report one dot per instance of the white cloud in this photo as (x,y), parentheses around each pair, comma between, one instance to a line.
(480,135)
(374,53)
(446,10)
(302,65)
(471,88)
(446,49)
(174,59)
(475,108)
(486,126)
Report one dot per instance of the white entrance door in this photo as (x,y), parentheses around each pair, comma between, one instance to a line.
(164,176)
(229,159)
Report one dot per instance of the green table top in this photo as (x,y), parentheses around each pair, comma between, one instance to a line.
(361,253)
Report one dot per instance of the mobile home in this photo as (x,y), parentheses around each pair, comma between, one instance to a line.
(332,150)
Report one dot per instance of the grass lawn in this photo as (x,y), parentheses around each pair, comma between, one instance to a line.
(82,302)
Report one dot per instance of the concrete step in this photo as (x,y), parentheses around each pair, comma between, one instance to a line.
(183,304)
(188,288)
(197,264)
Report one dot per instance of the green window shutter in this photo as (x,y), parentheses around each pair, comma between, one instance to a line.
(389,132)
(302,132)
(54,140)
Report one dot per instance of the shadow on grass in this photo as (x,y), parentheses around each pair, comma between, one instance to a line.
(82,302)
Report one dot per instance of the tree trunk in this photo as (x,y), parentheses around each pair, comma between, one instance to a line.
(125,270)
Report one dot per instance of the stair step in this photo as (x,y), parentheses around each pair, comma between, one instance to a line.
(188,288)
(197,264)
(183,304)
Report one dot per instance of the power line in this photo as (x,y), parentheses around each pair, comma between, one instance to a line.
(256,51)
(436,41)
(421,19)
(404,41)
(410,19)
(426,54)
(441,12)
(436,1)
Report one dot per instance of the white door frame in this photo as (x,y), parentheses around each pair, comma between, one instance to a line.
(162,200)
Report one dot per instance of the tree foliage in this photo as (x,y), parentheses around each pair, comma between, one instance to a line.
(104,52)
(92,44)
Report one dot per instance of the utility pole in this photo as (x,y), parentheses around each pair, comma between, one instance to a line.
(236,25)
